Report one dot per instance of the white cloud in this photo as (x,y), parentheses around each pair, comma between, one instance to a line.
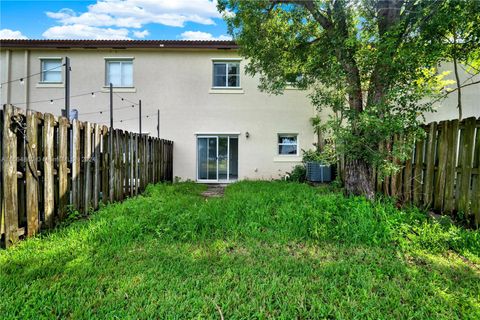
(199,35)
(109,19)
(79,31)
(136,13)
(141,34)
(11,34)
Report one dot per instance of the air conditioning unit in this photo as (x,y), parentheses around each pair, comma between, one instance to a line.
(317,172)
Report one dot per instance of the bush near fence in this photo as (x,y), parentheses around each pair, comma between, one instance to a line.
(52,165)
(443,173)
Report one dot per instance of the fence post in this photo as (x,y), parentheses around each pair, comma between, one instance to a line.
(63,194)
(111,169)
(439,189)
(76,163)
(466,170)
(49,188)
(476,180)
(96,175)
(10,176)
(451,167)
(105,164)
(33,224)
(430,162)
(87,166)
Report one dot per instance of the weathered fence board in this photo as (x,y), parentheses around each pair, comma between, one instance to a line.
(33,223)
(63,193)
(445,170)
(51,164)
(10,204)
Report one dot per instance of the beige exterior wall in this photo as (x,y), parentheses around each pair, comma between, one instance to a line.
(447,108)
(179,84)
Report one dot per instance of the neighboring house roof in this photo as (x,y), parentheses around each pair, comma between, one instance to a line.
(118,44)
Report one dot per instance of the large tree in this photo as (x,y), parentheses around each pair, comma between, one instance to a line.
(372,62)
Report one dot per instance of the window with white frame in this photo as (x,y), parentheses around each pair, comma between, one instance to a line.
(287,144)
(119,73)
(226,74)
(51,70)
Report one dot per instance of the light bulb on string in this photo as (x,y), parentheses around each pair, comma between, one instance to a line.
(21,81)
(93,94)
(51,101)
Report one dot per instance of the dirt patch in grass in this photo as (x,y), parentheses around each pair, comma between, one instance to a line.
(214,191)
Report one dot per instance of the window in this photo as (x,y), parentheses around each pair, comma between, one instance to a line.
(294,79)
(226,74)
(287,144)
(51,70)
(119,73)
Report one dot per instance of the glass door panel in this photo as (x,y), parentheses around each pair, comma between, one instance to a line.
(212,159)
(202,149)
(233,158)
(223,158)
(207,158)
(217,158)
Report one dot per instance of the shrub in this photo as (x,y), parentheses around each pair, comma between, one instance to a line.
(298,174)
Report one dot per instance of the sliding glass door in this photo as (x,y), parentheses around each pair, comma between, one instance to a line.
(217,158)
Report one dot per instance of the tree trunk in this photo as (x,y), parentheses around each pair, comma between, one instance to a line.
(358,179)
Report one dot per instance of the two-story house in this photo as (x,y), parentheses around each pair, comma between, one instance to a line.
(223,127)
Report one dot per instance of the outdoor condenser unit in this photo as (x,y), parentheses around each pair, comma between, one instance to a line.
(317,172)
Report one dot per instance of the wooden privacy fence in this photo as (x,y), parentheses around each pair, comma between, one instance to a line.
(51,165)
(443,173)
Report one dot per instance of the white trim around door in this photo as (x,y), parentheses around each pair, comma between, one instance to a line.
(217,158)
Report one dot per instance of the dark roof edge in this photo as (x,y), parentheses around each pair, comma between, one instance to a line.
(147,44)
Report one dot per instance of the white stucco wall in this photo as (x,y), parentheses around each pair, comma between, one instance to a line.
(179,84)
(447,109)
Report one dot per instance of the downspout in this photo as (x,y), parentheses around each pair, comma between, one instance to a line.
(9,76)
(27,80)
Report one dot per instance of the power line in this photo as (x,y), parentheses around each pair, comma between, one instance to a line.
(31,75)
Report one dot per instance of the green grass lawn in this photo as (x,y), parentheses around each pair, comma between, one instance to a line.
(265,250)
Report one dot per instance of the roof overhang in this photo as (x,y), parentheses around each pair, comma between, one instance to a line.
(118,44)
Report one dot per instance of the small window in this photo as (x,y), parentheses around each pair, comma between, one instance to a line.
(287,144)
(226,74)
(119,73)
(51,70)
(294,79)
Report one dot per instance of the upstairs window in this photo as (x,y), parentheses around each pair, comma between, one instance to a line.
(287,144)
(51,70)
(226,74)
(119,73)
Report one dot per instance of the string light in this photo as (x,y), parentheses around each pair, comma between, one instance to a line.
(145,116)
(125,99)
(93,94)
(105,110)
(55,99)
(21,81)
(51,101)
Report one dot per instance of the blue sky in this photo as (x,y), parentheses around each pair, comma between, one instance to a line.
(112,19)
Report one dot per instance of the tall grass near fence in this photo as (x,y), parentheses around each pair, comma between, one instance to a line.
(443,173)
(52,165)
